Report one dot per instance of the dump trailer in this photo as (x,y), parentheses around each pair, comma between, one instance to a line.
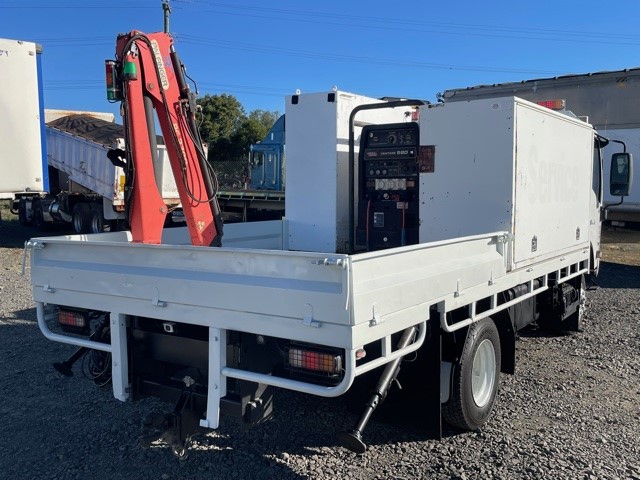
(605,99)
(433,240)
(22,146)
(87,191)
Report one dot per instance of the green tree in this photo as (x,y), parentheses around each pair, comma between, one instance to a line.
(229,133)
(226,128)
(222,115)
(265,118)
(252,130)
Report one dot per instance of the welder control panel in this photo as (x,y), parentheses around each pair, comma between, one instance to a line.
(388,186)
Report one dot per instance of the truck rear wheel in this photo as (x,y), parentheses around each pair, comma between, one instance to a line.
(476,375)
(96,222)
(80,218)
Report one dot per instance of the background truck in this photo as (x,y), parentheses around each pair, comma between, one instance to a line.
(54,162)
(435,237)
(22,145)
(262,194)
(607,100)
(86,189)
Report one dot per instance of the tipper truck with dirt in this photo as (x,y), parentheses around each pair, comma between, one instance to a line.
(86,189)
(412,252)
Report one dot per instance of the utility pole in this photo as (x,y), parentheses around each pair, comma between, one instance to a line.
(166,10)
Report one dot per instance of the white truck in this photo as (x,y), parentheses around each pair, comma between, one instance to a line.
(22,145)
(442,236)
(86,190)
(605,99)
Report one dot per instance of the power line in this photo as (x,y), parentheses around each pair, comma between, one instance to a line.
(190,39)
(80,6)
(279,51)
(62,85)
(413,25)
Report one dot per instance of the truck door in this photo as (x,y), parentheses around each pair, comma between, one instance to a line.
(266,170)
(595,207)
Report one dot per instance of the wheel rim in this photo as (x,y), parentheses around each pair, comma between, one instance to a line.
(483,376)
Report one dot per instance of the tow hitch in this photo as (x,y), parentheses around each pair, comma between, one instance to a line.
(175,428)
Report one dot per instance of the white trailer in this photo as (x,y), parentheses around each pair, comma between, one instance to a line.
(471,224)
(51,175)
(22,146)
(607,100)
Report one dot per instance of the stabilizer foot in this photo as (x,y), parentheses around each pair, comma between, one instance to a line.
(352,441)
(64,368)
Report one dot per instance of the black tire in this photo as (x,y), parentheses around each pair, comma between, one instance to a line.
(465,409)
(96,222)
(22,213)
(80,218)
(38,217)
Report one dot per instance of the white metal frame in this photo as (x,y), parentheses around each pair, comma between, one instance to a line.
(218,371)
(364,307)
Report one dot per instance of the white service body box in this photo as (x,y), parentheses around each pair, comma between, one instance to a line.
(507,165)
(317,168)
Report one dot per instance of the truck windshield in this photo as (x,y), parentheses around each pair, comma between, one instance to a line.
(258,158)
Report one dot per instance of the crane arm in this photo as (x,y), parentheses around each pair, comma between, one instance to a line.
(147,75)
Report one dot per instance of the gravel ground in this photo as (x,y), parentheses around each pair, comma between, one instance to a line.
(572,411)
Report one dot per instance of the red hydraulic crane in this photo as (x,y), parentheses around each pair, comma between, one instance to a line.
(147,75)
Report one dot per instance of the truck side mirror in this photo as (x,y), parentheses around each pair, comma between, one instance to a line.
(621,174)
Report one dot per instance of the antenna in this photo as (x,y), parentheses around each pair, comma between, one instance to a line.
(166,10)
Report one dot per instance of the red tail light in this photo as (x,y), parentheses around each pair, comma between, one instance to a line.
(314,361)
(558,104)
(72,319)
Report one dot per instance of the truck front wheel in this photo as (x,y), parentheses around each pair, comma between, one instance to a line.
(476,375)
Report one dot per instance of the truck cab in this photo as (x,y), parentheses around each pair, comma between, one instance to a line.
(266,159)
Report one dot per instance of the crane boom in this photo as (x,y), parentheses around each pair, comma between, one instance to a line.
(147,75)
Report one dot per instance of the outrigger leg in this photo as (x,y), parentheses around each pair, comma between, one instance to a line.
(353,439)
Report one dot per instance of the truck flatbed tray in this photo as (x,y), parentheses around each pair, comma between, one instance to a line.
(250,195)
(253,285)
